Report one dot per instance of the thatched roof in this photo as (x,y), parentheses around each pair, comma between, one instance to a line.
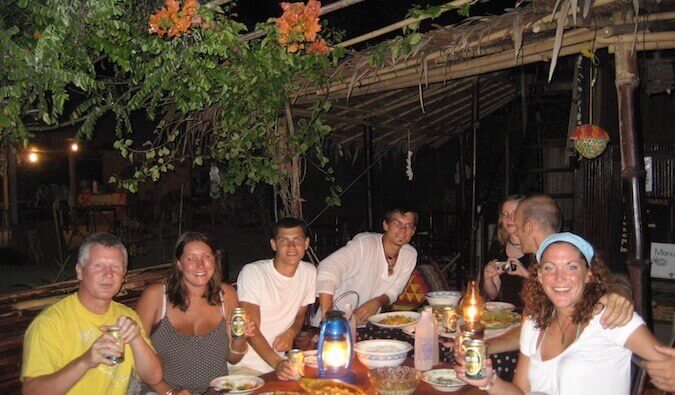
(428,91)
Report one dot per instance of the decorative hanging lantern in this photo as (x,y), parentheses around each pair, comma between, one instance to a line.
(335,351)
(589,140)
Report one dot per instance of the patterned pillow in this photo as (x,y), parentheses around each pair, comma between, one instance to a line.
(414,291)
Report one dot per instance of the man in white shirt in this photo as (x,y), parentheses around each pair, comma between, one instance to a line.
(276,294)
(376,266)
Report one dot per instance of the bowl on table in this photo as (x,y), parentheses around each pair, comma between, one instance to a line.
(444,380)
(443,298)
(395,380)
(381,352)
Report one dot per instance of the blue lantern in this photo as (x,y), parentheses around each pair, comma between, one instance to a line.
(336,351)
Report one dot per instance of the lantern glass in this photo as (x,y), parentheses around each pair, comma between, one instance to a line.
(472,304)
(335,351)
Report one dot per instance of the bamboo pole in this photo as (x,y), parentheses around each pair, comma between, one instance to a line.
(398,25)
(327,9)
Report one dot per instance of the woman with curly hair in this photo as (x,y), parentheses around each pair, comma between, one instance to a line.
(504,274)
(563,347)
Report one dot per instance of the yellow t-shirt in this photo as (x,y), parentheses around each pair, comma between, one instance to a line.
(65,331)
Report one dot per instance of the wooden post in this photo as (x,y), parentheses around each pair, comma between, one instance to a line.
(632,169)
(473,272)
(461,212)
(368,143)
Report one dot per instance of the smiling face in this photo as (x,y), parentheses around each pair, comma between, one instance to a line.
(197,263)
(102,275)
(400,228)
(563,274)
(289,245)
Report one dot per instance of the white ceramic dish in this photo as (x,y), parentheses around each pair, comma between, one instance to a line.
(235,384)
(443,298)
(311,360)
(444,380)
(382,352)
(377,318)
(499,306)
(489,333)
(442,332)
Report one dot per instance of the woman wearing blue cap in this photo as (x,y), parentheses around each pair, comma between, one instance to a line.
(564,348)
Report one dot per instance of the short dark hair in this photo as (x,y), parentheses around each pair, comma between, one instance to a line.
(544,211)
(102,238)
(288,223)
(175,289)
(400,208)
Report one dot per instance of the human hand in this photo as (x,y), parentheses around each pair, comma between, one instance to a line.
(249,328)
(460,368)
(363,312)
(662,372)
(181,391)
(618,310)
(284,341)
(520,269)
(491,269)
(129,329)
(284,370)
(106,345)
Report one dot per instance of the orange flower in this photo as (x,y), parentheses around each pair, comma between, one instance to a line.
(319,47)
(299,24)
(172,20)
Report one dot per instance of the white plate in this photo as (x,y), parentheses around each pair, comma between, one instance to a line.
(311,359)
(499,306)
(410,330)
(233,382)
(375,319)
(444,380)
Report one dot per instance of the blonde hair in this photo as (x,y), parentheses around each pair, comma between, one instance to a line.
(502,234)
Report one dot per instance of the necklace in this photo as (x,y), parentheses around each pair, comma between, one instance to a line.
(564,331)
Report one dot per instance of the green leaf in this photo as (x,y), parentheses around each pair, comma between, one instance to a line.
(464,9)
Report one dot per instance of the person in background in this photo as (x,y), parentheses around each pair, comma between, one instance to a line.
(276,294)
(188,318)
(376,266)
(536,218)
(67,348)
(506,270)
(564,348)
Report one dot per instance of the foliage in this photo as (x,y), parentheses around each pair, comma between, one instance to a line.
(210,96)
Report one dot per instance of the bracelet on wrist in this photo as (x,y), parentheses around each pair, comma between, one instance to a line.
(490,383)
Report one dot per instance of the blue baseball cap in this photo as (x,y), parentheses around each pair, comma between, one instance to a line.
(584,246)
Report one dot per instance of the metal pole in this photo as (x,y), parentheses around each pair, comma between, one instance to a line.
(474,132)
(632,169)
(368,143)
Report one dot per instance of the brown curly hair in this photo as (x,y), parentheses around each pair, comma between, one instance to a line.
(539,308)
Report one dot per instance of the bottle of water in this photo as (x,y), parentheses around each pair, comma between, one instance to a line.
(435,322)
(425,337)
(349,315)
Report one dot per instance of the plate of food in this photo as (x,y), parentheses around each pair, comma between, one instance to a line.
(394,320)
(237,384)
(499,319)
(328,387)
(442,331)
(499,306)
(444,380)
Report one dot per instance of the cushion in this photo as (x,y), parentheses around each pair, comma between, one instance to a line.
(414,291)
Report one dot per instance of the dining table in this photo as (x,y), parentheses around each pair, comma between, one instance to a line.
(272,384)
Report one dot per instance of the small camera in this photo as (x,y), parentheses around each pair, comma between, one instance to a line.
(507,266)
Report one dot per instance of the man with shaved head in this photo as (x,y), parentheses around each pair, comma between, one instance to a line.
(536,218)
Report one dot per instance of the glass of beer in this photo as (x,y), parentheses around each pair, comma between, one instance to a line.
(115,332)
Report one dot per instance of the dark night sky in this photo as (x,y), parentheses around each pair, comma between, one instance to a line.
(366,16)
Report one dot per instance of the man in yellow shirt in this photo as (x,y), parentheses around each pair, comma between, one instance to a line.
(67,348)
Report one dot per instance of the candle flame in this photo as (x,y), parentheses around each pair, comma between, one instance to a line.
(335,353)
